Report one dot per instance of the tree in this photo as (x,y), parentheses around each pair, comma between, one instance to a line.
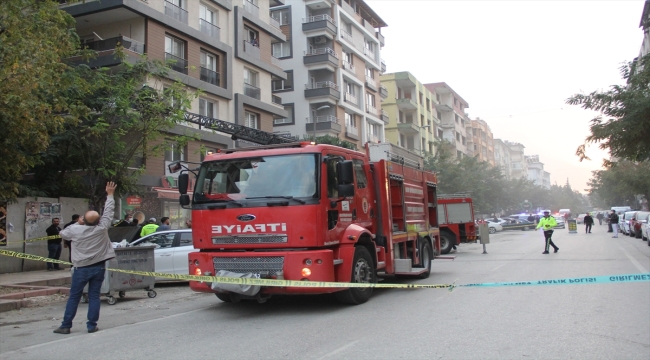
(619,183)
(35,36)
(625,131)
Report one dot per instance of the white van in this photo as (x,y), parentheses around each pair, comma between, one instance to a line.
(621,209)
(564,211)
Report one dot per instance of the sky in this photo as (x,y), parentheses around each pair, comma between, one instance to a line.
(516,63)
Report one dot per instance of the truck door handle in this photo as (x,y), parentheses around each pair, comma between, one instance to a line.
(354,214)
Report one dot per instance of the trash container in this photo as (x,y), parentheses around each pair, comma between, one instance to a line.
(139,258)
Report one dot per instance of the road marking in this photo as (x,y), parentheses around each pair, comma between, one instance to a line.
(498,267)
(339,350)
(633,260)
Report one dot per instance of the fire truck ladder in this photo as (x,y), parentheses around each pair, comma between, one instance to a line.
(237,132)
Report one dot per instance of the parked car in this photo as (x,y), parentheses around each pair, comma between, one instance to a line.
(516,224)
(624,223)
(645,233)
(580,218)
(637,222)
(560,222)
(172,248)
(494,227)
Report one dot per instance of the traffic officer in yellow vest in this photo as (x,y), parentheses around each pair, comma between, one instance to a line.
(547,222)
(150,228)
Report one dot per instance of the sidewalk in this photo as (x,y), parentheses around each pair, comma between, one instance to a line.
(17,289)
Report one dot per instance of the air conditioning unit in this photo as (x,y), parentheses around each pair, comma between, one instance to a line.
(320,40)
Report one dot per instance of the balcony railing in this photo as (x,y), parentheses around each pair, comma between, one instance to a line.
(348,66)
(275,61)
(276,99)
(111,43)
(321,51)
(252,91)
(368,52)
(322,84)
(351,99)
(274,23)
(383,66)
(210,76)
(352,130)
(251,8)
(318,18)
(384,115)
(210,29)
(371,81)
(346,35)
(372,138)
(371,110)
(251,49)
(176,12)
(176,63)
(323,118)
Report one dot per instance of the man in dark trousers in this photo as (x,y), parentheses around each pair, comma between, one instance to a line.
(53,245)
(76,219)
(92,248)
(600,217)
(589,221)
(547,223)
(609,223)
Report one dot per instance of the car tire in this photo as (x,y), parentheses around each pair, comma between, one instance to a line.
(446,243)
(526,228)
(492,230)
(363,271)
(426,255)
(224,297)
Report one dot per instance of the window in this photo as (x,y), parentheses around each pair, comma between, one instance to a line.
(368,45)
(438,97)
(350,121)
(349,88)
(250,77)
(402,140)
(251,36)
(369,73)
(161,240)
(282,84)
(332,180)
(421,120)
(174,152)
(421,99)
(281,49)
(370,99)
(282,16)
(175,46)
(457,136)
(360,174)
(428,105)
(207,14)
(348,57)
(208,108)
(455,102)
(438,115)
(250,120)
(208,61)
(440,134)
(463,140)
(288,119)
(456,117)
(186,239)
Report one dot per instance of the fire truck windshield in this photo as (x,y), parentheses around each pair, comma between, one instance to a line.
(292,176)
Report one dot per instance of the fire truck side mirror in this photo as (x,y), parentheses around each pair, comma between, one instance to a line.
(184,200)
(183,180)
(345,190)
(345,172)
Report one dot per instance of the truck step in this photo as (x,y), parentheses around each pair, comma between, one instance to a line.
(452,257)
(414,271)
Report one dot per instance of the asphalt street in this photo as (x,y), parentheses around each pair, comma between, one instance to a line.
(601,321)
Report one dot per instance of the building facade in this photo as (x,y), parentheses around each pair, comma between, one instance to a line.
(518,164)
(645,26)
(411,111)
(332,61)
(502,157)
(536,172)
(480,141)
(220,47)
(450,109)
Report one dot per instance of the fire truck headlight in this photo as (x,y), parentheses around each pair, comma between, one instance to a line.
(305,272)
(197,272)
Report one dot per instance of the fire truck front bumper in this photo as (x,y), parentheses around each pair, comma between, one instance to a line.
(308,265)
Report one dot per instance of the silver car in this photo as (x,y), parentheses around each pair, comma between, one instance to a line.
(172,248)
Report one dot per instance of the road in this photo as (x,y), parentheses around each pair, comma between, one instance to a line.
(573,321)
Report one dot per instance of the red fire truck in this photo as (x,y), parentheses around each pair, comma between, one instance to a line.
(301,211)
(456,216)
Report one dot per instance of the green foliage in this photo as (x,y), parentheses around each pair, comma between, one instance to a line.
(619,183)
(624,131)
(332,140)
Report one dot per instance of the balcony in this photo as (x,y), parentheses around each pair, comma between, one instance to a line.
(380,37)
(371,110)
(251,49)
(383,66)
(408,128)
(321,89)
(252,91)
(406,104)
(251,8)
(210,29)
(383,91)
(351,99)
(210,76)
(274,23)
(384,116)
(372,138)
(444,107)
(175,12)
(369,53)
(347,36)
(112,43)
(319,22)
(325,56)
(352,132)
(176,63)
(276,100)
(275,61)
(371,83)
(328,123)
(349,67)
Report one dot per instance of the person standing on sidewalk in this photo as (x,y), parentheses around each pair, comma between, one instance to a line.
(613,221)
(53,245)
(589,221)
(92,248)
(600,217)
(547,222)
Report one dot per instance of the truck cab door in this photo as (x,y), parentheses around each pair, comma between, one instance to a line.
(363,202)
(339,216)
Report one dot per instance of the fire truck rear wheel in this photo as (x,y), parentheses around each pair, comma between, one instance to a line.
(426,255)
(446,243)
(363,271)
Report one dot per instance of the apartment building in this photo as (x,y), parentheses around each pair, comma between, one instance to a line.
(221,47)
(645,26)
(410,107)
(480,141)
(502,157)
(536,172)
(332,61)
(450,109)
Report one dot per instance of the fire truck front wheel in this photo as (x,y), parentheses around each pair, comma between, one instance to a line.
(363,271)
(446,242)
(426,255)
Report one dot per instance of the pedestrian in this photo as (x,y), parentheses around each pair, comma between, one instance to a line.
(609,223)
(164,224)
(76,219)
(150,228)
(92,248)
(547,222)
(531,218)
(600,217)
(124,222)
(53,245)
(566,217)
(188,223)
(613,221)
(589,221)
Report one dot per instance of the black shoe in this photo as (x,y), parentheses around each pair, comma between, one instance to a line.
(556,250)
(545,252)
(90,331)
(62,331)
(50,269)
(58,269)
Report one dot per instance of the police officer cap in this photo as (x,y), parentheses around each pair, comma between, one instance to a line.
(547,212)
(152,220)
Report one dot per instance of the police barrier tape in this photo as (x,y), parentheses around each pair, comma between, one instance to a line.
(616,279)
(52,237)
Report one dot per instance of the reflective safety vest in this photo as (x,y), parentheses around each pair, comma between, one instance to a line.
(148,229)
(548,223)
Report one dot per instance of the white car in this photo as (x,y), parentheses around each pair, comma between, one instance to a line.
(494,227)
(172,248)
(560,222)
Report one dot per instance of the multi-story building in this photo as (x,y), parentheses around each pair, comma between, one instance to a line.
(518,164)
(450,109)
(645,25)
(480,141)
(332,60)
(411,110)
(502,157)
(536,172)
(221,47)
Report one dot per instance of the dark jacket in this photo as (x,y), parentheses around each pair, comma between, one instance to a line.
(588,220)
(52,231)
(613,219)
(599,216)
